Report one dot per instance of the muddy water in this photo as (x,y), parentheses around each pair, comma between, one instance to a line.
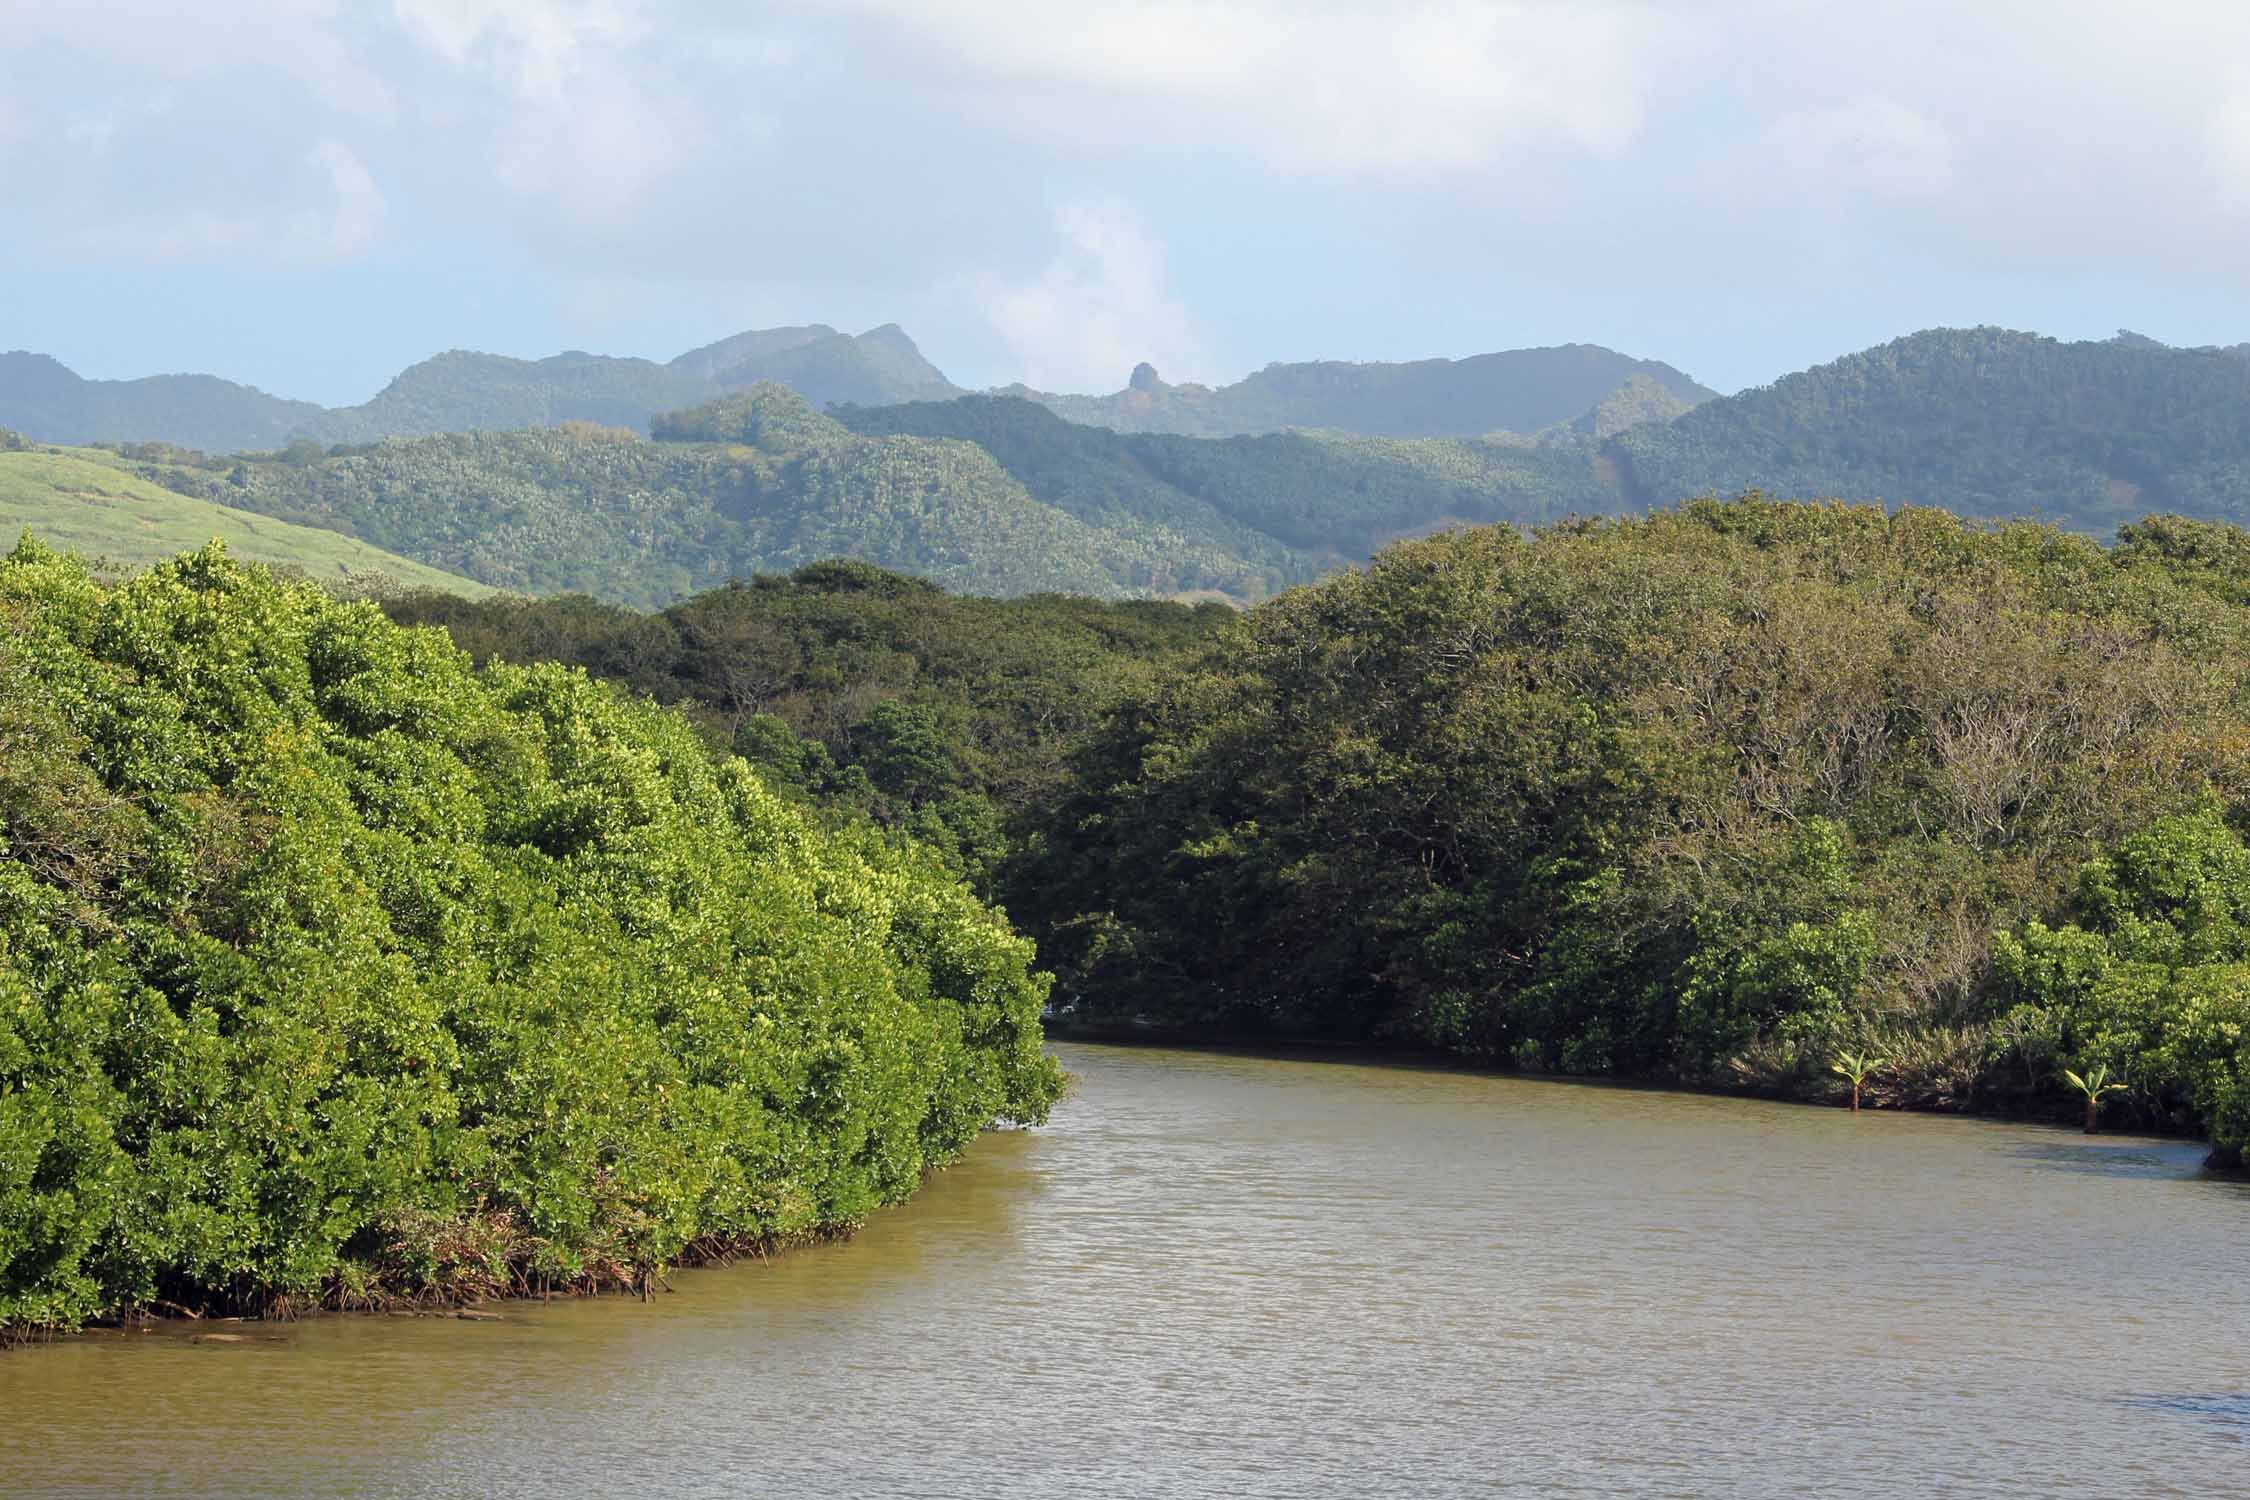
(1218,1275)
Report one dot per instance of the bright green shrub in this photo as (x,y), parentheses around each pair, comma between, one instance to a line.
(2153,980)
(331,966)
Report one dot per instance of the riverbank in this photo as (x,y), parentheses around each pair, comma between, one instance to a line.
(1830,1092)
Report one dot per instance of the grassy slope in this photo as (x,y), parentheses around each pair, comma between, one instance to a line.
(77,502)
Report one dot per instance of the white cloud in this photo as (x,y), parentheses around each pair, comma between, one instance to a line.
(1304,87)
(1099,307)
(304,41)
(1454,168)
(537,46)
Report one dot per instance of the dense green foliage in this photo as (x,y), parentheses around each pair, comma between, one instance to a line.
(1273,500)
(1712,796)
(1722,796)
(1982,421)
(333,967)
(2150,981)
(461,391)
(1517,390)
(865,693)
(765,484)
(997,494)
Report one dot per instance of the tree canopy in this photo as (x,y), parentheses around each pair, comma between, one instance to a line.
(335,968)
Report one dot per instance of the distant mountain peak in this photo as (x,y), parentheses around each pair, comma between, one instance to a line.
(466,390)
(891,336)
(750,344)
(1519,391)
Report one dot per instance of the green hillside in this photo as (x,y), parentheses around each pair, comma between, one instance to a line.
(1328,494)
(1985,421)
(82,501)
(760,483)
(982,494)
(997,494)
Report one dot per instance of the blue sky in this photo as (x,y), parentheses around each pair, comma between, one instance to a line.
(308,195)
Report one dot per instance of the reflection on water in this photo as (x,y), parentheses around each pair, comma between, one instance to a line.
(2228,1413)
(1218,1275)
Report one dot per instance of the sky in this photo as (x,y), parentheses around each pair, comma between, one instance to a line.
(309,195)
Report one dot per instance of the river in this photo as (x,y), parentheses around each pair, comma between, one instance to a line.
(1216,1275)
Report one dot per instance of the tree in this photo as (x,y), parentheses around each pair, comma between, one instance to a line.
(2094,1086)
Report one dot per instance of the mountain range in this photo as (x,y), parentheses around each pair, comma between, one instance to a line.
(998,493)
(1520,391)
(1514,391)
(462,391)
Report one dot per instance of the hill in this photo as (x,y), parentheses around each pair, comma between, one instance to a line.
(879,366)
(463,391)
(758,483)
(42,398)
(1984,421)
(84,502)
(1332,495)
(982,494)
(1000,494)
(1516,390)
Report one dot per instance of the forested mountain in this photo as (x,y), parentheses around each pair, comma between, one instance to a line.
(1638,401)
(44,399)
(879,366)
(1335,496)
(998,493)
(983,493)
(1984,421)
(463,391)
(1514,391)
(757,483)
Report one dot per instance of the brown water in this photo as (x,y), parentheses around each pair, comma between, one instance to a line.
(1217,1275)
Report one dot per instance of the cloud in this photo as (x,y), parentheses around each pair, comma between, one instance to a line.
(1099,307)
(537,46)
(1420,176)
(1430,85)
